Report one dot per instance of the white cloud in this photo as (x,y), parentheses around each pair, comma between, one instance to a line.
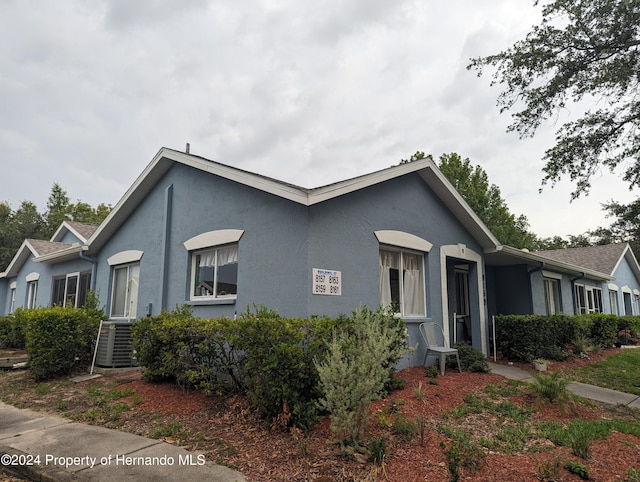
(309,93)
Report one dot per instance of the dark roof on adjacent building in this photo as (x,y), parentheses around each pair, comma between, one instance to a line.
(85,230)
(44,248)
(603,258)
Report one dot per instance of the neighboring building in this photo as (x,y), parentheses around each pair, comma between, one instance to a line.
(47,273)
(622,294)
(220,239)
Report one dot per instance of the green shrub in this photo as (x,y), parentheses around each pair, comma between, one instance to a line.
(604,329)
(378,450)
(278,366)
(194,352)
(527,337)
(159,340)
(11,333)
(471,359)
(550,386)
(358,364)
(58,339)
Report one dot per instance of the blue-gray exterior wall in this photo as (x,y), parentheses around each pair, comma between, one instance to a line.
(272,252)
(282,242)
(624,276)
(341,237)
(45,282)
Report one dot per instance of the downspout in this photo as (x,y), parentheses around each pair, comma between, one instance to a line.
(573,291)
(165,248)
(530,272)
(94,268)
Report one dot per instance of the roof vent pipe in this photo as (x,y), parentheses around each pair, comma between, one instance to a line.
(187,148)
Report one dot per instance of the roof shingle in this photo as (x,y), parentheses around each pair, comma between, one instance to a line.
(598,258)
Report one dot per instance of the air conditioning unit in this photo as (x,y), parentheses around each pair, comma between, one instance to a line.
(114,346)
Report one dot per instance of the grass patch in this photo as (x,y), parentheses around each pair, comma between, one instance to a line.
(617,372)
(579,434)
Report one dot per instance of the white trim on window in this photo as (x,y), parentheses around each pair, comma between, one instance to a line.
(33,277)
(213,238)
(124,257)
(402,281)
(13,285)
(550,274)
(403,240)
(220,264)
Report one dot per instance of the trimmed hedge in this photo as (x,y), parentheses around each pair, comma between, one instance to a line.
(11,333)
(262,354)
(194,352)
(58,339)
(527,337)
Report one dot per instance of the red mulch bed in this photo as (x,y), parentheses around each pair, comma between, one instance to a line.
(232,434)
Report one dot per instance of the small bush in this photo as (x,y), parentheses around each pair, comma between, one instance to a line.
(550,386)
(11,333)
(278,362)
(577,468)
(359,362)
(58,339)
(471,359)
(378,450)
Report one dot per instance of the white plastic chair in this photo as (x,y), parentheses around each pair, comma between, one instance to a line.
(430,331)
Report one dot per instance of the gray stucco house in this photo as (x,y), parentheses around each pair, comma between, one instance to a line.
(220,239)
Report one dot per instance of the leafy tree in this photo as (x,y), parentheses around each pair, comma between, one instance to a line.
(8,235)
(486,201)
(625,228)
(581,51)
(57,208)
(27,222)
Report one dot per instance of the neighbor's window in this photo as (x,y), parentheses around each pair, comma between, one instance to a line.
(588,299)
(214,273)
(613,301)
(551,296)
(402,281)
(32,291)
(13,300)
(71,289)
(124,293)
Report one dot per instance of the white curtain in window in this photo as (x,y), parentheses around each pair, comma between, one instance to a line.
(412,284)
(208,260)
(387,261)
(228,255)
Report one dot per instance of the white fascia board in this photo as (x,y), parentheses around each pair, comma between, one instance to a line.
(20,257)
(60,255)
(337,189)
(154,167)
(550,263)
(57,237)
(287,191)
(456,203)
(633,262)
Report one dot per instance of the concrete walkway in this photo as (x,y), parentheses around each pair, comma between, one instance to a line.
(598,394)
(48,448)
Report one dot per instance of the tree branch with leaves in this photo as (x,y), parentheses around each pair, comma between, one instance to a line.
(581,51)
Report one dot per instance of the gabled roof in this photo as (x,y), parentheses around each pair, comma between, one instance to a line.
(603,258)
(165,158)
(32,248)
(82,231)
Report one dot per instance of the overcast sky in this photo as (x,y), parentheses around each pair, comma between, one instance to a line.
(306,92)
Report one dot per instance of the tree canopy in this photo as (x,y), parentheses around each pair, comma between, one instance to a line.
(581,51)
(472,182)
(27,223)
